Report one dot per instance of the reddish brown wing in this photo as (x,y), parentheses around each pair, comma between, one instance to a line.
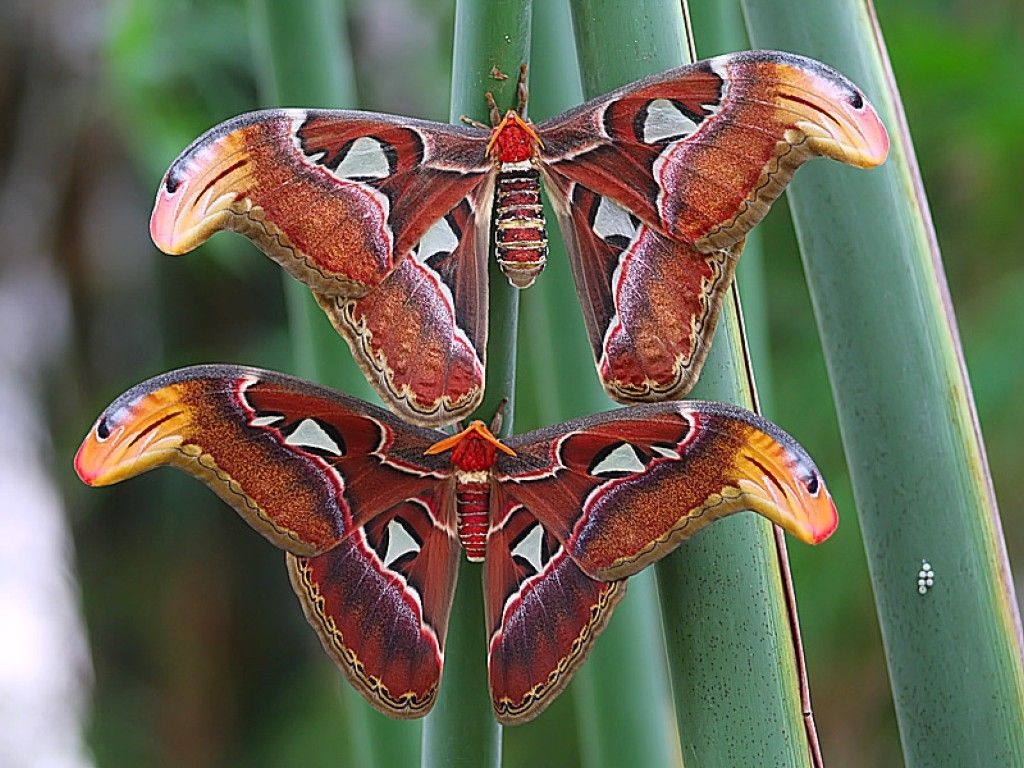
(543,613)
(650,303)
(343,487)
(341,199)
(421,335)
(622,489)
(678,167)
(380,602)
(588,503)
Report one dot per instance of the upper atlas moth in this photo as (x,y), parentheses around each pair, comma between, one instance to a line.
(389,219)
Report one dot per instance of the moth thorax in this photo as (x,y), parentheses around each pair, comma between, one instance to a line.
(519,234)
(473,499)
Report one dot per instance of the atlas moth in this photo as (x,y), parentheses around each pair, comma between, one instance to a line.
(389,219)
(371,513)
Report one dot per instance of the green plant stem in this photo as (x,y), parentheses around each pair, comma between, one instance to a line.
(731,654)
(621,694)
(717,29)
(461,729)
(906,417)
(302,59)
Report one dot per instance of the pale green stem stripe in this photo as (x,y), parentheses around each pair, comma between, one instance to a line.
(461,730)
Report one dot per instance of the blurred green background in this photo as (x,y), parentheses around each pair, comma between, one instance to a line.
(199,652)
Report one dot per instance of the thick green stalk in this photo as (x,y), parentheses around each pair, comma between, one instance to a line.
(625,681)
(731,654)
(717,29)
(907,418)
(490,35)
(302,59)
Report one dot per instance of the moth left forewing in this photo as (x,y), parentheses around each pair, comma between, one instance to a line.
(543,612)
(380,601)
(645,478)
(343,200)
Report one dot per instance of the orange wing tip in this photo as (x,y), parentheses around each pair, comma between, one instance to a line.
(86,466)
(795,501)
(835,115)
(132,439)
(198,194)
(821,525)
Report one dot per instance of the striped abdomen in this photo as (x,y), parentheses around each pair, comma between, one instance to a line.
(519,233)
(473,500)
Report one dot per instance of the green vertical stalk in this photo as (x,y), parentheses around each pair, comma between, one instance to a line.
(302,59)
(622,696)
(906,417)
(731,655)
(490,35)
(717,29)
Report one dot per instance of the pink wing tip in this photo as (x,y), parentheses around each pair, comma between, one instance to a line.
(876,138)
(162,222)
(86,473)
(825,524)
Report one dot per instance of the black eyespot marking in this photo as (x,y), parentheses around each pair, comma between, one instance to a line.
(857,100)
(172,183)
(103,428)
(812,484)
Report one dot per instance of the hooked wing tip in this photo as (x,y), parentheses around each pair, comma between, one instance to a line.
(84,468)
(829,109)
(182,220)
(201,190)
(132,436)
(822,523)
(161,223)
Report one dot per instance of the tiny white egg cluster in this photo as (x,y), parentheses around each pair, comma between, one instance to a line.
(925,577)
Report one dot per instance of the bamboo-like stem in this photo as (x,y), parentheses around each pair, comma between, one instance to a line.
(622,696)
(907,418)
(302,59)
(718,28)
(731,656)
(461,729)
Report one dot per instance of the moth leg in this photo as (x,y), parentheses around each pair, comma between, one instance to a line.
(522,91)
(492,105)
(499,416)
(474,123)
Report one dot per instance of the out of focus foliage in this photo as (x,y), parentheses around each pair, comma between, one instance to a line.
(202,655)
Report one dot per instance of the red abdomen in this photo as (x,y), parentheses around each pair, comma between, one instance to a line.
(473,500)
(519,232)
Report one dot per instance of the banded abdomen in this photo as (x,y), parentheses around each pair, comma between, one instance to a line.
(473,501)
(520,237)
